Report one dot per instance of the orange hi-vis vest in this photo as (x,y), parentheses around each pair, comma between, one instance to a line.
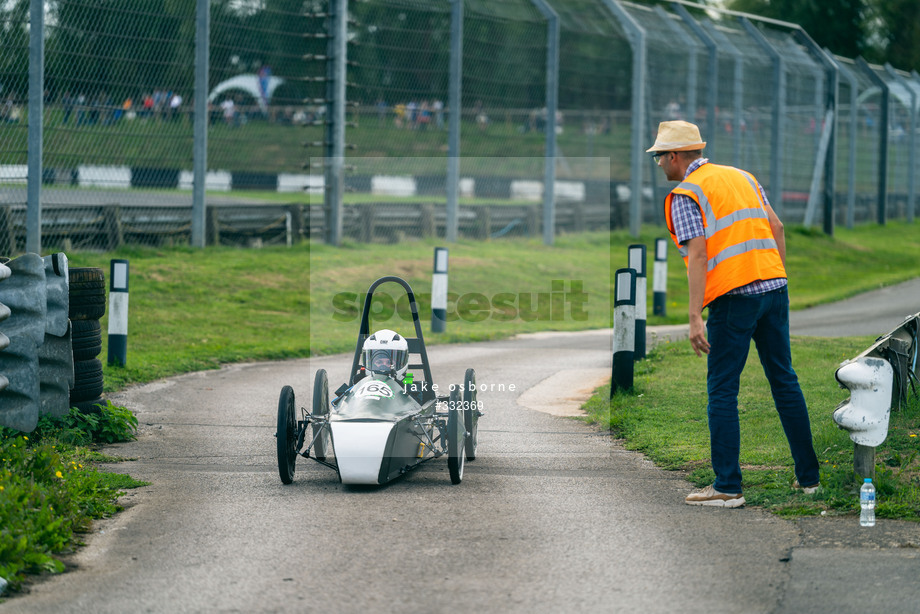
(740,247)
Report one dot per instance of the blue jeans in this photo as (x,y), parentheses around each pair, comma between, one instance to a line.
(733,321)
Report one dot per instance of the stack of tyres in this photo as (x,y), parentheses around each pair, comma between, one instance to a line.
(87,305)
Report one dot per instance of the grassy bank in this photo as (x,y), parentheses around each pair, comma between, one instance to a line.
(197,309)
(665,419)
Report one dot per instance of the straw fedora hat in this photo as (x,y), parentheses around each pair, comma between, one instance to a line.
(677,136)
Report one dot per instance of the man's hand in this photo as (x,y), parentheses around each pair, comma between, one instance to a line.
(698,335)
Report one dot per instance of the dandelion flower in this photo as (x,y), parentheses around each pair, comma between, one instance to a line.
(59,474)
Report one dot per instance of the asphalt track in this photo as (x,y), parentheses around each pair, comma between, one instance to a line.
(553,516)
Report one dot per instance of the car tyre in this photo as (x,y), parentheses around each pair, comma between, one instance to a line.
(286,435)
(456,434)
(470,414)
(321,409)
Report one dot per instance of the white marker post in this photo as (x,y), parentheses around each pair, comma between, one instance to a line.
(660,279)
(118,313)
(637,260)
(439,291)
(624,330)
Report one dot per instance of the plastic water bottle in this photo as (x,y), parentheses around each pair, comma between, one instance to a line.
(867,503)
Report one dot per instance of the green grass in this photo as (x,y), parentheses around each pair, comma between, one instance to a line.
(51,489)
(664,417)
(197,309)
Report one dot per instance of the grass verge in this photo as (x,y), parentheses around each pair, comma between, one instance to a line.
(197,309)
(664,417)
(51,488)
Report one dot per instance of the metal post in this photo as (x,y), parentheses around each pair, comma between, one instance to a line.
(725,46)
(851,143)
(334,163)
(439,291)
(882,209)
(911,141)
(779,114)
(118,313)
(637,262)
(453,120)
(624,330)
(692,59)
(831,105)
(552,102)
(36,124)
(660,279)
(712,76)
(200,128)
(637,42)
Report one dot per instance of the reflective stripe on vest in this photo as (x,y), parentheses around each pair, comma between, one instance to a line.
(758,250)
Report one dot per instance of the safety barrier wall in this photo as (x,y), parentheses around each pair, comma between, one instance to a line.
(119,120)
(38,363)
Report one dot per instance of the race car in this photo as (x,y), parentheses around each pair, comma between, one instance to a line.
(383,421)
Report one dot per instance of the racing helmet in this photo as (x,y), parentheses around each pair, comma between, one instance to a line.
(386,352)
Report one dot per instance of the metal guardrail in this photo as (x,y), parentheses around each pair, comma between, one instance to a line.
(878,379)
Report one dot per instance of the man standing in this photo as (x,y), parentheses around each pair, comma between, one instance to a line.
(734,247)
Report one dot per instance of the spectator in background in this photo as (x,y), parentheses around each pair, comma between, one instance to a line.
(67,104)
(437,108)
(228,108)
(175,104)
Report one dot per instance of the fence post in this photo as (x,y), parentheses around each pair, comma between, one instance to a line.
(453,119)
(660,279)
(882,203)
(36,119)
(712,76)
(637,42)
(637,262)
(200,128)
(624,330)
(552,101)
(439,291)
(911,141)
(779,114)
(334,162)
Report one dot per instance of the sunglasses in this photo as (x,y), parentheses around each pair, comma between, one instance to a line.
(657,156)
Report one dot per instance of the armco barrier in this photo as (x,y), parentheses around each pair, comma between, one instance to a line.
(878,379)
(4,314)
(26,296)
(55,356)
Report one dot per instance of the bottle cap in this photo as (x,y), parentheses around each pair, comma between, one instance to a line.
(867,481)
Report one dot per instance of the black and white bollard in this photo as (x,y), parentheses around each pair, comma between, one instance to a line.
(439,291)
(118,313)
(660,279)
(624,330)
(637,260)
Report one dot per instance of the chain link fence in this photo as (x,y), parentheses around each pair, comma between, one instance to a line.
(537,79)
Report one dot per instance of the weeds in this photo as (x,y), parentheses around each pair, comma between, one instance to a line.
(49,492)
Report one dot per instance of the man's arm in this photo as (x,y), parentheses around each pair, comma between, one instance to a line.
(697,265)
(777,227)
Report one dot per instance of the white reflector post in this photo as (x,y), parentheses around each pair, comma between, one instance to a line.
(660,279)
(637,260)
(118,313)
(624,330)
(439,291)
